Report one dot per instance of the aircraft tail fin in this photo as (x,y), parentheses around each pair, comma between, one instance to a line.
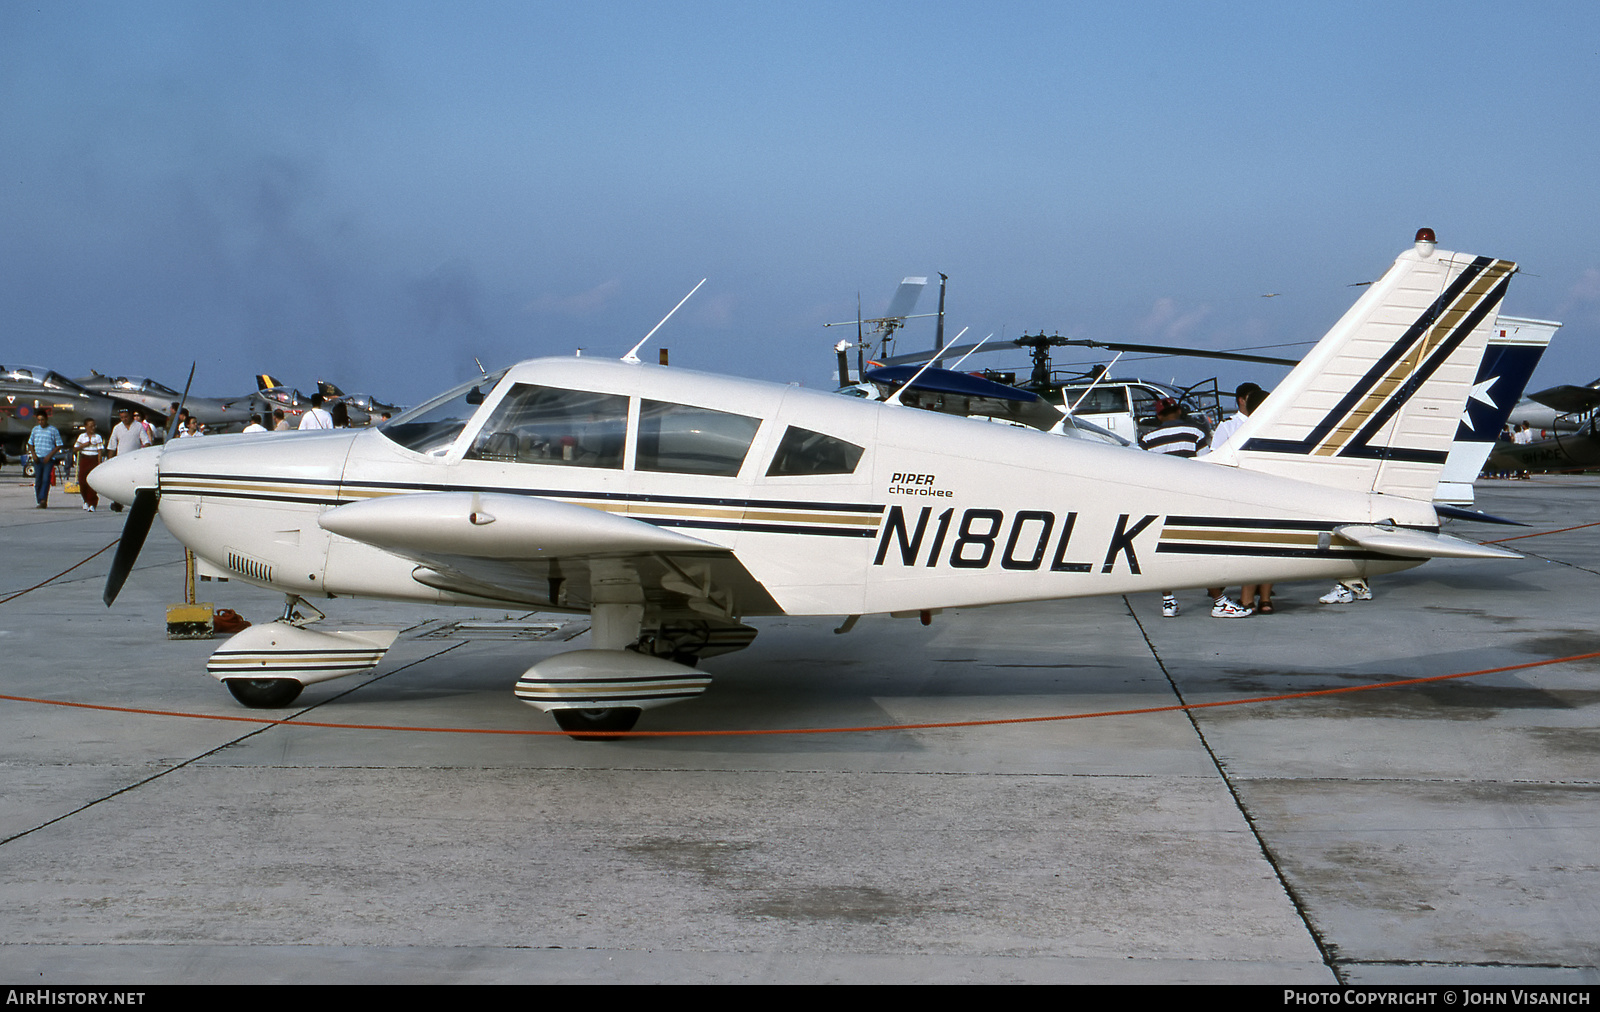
(266,382)
(1376,403)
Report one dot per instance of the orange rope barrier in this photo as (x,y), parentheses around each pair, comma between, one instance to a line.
(59,575)
(1175,707)
(1540,534)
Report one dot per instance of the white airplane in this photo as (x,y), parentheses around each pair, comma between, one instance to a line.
(674,506)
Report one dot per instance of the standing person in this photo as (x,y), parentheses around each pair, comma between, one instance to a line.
(279,422)
(44,443)
(124,438)
(255,424)
(90,446)
(1221,605)
(1178,436)
(147,435)
(1227,428)
(1256,595)
(1522,437)
(340,414)
(316,416)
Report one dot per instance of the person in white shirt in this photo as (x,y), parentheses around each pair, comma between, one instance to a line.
(1221,605)
(89,447)
(1226,429)
(255,425)
(316,417)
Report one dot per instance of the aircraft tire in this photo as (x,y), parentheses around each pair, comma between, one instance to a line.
(27,469)
(264,693)
(615,718)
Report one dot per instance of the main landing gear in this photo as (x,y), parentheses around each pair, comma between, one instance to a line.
(267,665)
(611,718)
(264,693)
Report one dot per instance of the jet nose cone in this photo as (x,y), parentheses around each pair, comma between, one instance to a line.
(123,475)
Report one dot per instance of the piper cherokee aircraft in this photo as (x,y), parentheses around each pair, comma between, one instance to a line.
(675,506)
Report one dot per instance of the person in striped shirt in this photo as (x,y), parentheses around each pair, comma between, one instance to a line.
(1180,437)
(1174,433)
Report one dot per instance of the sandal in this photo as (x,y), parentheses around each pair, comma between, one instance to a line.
(1265,608)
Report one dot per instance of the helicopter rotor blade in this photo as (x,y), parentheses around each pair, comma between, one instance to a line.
(916,358)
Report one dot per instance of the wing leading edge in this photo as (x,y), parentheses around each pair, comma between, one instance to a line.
(538,551)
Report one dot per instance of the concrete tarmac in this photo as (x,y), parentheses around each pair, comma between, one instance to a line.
(1443,833)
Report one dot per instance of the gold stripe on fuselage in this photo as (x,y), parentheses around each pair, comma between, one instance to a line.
(846,518)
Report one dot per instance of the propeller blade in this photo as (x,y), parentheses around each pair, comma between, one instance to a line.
(140,516)
(172,423)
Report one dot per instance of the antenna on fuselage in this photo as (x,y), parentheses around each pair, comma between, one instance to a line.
(633,353)
(1073,410)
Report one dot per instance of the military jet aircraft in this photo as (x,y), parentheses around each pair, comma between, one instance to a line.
(25,390)
(270,395)
(364,409)
(674,507)
(215,413)
(1563,408)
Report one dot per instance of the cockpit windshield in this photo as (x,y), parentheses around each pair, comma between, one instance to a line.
(433,426)
(46,378)
(145,385)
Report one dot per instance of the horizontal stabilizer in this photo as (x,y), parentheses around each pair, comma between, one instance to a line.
(1457,513)
(1418,544)
(498,526)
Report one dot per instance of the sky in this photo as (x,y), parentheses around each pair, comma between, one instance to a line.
(379,194)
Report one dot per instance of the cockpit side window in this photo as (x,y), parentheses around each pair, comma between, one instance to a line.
(690,440)
(546,425)
(805,452)
(433,426)
(1102,400)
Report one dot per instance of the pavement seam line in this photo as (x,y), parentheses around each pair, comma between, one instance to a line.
(211,751)
(1244,812)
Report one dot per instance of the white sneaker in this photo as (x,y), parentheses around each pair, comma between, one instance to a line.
(1340,594)
(1169,607)
(1224,608)
(1360,589)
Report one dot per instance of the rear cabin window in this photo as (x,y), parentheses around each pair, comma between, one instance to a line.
(689,440)
(805,452)
(546,425)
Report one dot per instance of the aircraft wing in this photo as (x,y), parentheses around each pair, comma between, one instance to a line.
(539,551)
(1568,399)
